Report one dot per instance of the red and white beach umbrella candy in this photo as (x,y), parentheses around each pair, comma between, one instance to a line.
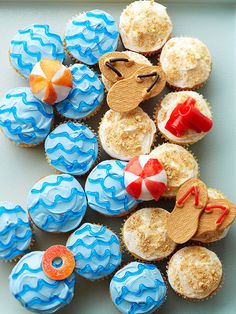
(145,178)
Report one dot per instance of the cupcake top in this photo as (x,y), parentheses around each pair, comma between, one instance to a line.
(33,43)
(90,35)
(105,189)
(57,203)
(23,118)
(195,272)
(86,95)
(144,26)
(192,126)
(72,148)
(96,250)
(15,231)
(145,234)
(126,135)
(138,288)
(215,194)
(179,164)
(186,62)
(34,290)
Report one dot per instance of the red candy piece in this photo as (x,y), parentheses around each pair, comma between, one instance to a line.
(67,259)
(186,116)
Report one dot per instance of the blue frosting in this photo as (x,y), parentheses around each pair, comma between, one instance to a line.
(86,95)
(57,203)
(32,44)
(72,148)
(23,118)
(138,288)
(34,290)
(105,189)
(90,35)
(96,250)
(15,231)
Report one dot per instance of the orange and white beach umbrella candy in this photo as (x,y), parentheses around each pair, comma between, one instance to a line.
(50,81)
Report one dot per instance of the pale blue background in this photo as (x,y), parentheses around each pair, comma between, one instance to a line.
(213,23)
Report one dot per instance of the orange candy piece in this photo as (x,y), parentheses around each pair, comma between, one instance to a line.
(67,259)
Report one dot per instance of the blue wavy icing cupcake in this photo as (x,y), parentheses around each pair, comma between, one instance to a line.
(90,35)
(72,148)
(96,250)
(34,290)
(57,203)
(32,44)
(15,231)
(86,95)
(24,119)
(138,288)
(105,189)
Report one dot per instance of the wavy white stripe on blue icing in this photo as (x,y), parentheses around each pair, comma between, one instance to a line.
(34,290)
(32,44)
(57,203)
(105,189)
(72,148)
(15,231)
(86,95)
(90,35)
(96,250)
(23,118)
(138,288)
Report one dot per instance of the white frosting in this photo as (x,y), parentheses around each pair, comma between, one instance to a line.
(186,62)
(169,103)
(144,26)
(145,234)
(194,272)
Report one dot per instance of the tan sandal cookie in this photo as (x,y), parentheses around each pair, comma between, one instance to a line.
(116,66)
(183,221)
(127,94)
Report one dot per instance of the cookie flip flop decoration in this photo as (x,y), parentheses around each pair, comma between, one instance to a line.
(116,66)
(144,84)
(191,199)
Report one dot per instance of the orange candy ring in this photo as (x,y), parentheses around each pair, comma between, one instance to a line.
(61,270)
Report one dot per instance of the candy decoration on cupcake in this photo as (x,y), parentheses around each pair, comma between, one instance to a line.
(145,178)
(50,81)
(58,262)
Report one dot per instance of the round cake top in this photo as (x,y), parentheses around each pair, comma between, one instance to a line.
(50,81)
(138,288)
(186,62)
(215,194)
(32,44)
(72,148)
(34,290)
(57,203)
(145,234)
(96,249)
(126,135)
(193,125)
(195,272)
(90,35)
(105,189)
(179,164)
(86,95)
(23,118)
(15,231)
(145,26)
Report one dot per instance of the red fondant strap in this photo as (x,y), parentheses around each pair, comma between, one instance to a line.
(192,191)
(209,209)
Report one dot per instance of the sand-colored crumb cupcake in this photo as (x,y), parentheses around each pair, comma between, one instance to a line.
(195,272)
(179,164)
(145,27)
(138,58)
(183,117)
(126,135)
(186,62)
(145,236)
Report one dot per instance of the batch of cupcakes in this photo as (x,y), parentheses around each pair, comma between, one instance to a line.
(137,171)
